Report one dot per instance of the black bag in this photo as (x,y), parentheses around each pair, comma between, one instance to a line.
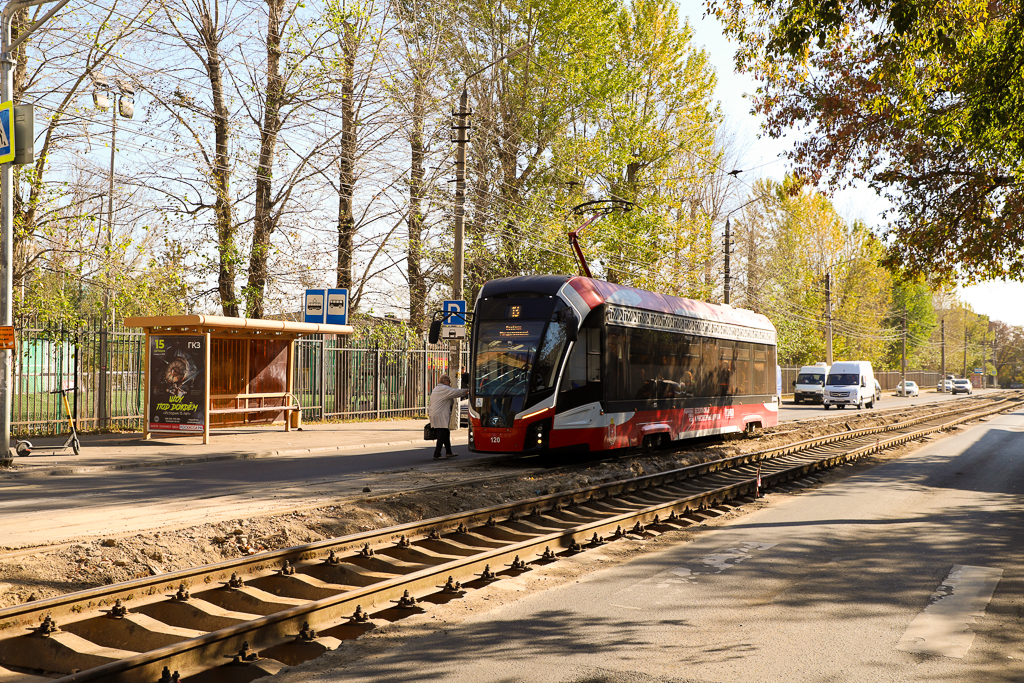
(428,433)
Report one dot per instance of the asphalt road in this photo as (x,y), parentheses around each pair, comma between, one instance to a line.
(911,571)
(58,508)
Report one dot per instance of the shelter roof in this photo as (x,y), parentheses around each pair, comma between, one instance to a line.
(214,323)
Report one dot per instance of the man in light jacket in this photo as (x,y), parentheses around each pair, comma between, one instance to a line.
(443,399)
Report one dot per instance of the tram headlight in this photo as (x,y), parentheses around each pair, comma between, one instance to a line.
(535,434)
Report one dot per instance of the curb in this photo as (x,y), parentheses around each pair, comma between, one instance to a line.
(62,470)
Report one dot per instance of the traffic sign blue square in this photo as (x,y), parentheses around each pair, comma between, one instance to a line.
(456,307)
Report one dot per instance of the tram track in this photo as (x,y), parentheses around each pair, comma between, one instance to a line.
(517,464)
(289,605)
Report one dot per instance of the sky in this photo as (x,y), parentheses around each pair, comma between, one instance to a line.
(999,300)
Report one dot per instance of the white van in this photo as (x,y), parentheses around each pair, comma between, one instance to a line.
(809,383)
(850,383)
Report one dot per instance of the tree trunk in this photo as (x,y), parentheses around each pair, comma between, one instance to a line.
(417,282)
(347,163)
(227,250)
(264,220)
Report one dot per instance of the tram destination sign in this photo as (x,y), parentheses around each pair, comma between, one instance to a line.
(177,382)
(653,320)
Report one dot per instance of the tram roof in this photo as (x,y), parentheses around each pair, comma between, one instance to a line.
(593,293)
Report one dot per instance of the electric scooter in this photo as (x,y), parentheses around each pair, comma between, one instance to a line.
(25,448)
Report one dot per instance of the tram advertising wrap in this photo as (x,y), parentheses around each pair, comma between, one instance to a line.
(177,385)
(564,362)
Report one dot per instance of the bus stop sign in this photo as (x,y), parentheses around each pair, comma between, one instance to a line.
(6,132)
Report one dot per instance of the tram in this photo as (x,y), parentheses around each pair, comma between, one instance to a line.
(562,362)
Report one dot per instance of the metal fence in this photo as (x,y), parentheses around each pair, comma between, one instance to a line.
(105,365)
(335,379)
(338,379)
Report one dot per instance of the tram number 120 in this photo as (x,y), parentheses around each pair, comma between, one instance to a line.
(495,439)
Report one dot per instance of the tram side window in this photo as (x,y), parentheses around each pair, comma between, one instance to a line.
(642,349)
(654,371)
(708,367)
(593,354)
(688,352)
(760,379)
(726,355)
(581,381)
(739,381)
(615,362)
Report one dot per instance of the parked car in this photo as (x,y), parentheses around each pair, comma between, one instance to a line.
(912,389)
(945,385)
(878,393)
(962,386)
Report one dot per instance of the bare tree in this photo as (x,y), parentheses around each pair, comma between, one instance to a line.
(202,27)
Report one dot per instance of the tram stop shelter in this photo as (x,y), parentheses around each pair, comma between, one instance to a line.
(205,372)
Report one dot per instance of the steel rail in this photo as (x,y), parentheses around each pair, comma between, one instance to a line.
(283,626)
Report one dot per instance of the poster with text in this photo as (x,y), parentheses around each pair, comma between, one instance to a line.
(177,382)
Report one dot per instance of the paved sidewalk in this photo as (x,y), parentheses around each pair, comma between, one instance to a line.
(129,451)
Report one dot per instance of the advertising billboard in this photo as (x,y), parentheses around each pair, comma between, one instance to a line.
(177,383)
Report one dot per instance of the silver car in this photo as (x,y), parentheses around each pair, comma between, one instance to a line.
(962,386)
(912,389)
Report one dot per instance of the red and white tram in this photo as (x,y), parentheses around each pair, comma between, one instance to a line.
(565,362)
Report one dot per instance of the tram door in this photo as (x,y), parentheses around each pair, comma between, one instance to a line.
(581,380)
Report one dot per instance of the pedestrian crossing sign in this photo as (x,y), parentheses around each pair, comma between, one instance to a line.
(6,132)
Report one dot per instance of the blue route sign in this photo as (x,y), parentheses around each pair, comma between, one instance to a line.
(315,303)
(453,306)
(337,306)
(6,132)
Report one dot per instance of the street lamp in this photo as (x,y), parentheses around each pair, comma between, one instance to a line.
(103,96)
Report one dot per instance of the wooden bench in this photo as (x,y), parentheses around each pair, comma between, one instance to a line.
(287,409)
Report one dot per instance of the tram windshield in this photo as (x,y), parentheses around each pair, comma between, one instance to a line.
(504,356)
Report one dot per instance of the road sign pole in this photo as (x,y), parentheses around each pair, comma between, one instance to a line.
(6,239)
(7,198)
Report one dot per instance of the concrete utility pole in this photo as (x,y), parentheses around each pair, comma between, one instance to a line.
(728,275)
(461,127)
(828,318)
(7,200)
(942,377)
(903,362)
(965,350)
(984,345)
